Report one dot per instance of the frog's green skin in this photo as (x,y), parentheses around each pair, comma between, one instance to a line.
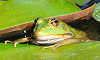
(55,32)
(46,33)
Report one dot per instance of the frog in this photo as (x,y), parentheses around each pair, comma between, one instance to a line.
(54,33)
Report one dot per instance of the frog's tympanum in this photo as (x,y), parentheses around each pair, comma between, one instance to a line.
(53,32)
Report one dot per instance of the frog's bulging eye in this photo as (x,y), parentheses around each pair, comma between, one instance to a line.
(53,22)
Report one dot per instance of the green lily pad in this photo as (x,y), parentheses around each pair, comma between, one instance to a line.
(65,18)
(1,2)
(96,13)
(80,2)
(17,12)
(80,51)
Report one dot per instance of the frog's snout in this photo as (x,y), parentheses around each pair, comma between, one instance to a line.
(37,19)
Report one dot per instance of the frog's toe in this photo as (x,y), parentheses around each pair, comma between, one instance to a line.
(7,42)
(52,46)
(46,47)
(15,44)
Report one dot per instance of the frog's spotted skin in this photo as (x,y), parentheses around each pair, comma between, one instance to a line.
(54,32)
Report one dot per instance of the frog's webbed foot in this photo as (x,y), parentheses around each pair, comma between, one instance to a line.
(64,42)
(55,46)
(52,46)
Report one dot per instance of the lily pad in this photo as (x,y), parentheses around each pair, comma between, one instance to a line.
(80,2)
(96,13)
(1,2)
(80,51)
(84,14)
(17,12)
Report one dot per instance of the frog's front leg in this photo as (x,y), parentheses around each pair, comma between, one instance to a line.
(7,41)
(64,42)
(17,41)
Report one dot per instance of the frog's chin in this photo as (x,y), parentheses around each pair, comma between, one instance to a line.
(52,39)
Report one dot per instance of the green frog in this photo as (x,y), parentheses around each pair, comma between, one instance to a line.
(53,32)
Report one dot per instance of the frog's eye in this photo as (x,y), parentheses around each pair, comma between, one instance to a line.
(56,21)
(53,22)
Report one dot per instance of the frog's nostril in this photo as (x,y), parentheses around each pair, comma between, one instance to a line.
(36,19)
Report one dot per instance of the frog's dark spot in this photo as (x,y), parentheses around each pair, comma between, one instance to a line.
(69,34)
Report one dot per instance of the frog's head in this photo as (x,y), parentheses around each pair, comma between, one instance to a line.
(51,31)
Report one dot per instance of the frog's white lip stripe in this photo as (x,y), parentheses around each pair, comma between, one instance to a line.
(45,38)
(51,39)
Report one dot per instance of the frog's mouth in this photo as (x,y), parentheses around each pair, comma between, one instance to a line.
(52,39)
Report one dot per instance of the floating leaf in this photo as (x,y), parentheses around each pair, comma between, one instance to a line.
(80,2)
(17,12)
(96,13)
(81,51)
(1,2)
(84,14)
